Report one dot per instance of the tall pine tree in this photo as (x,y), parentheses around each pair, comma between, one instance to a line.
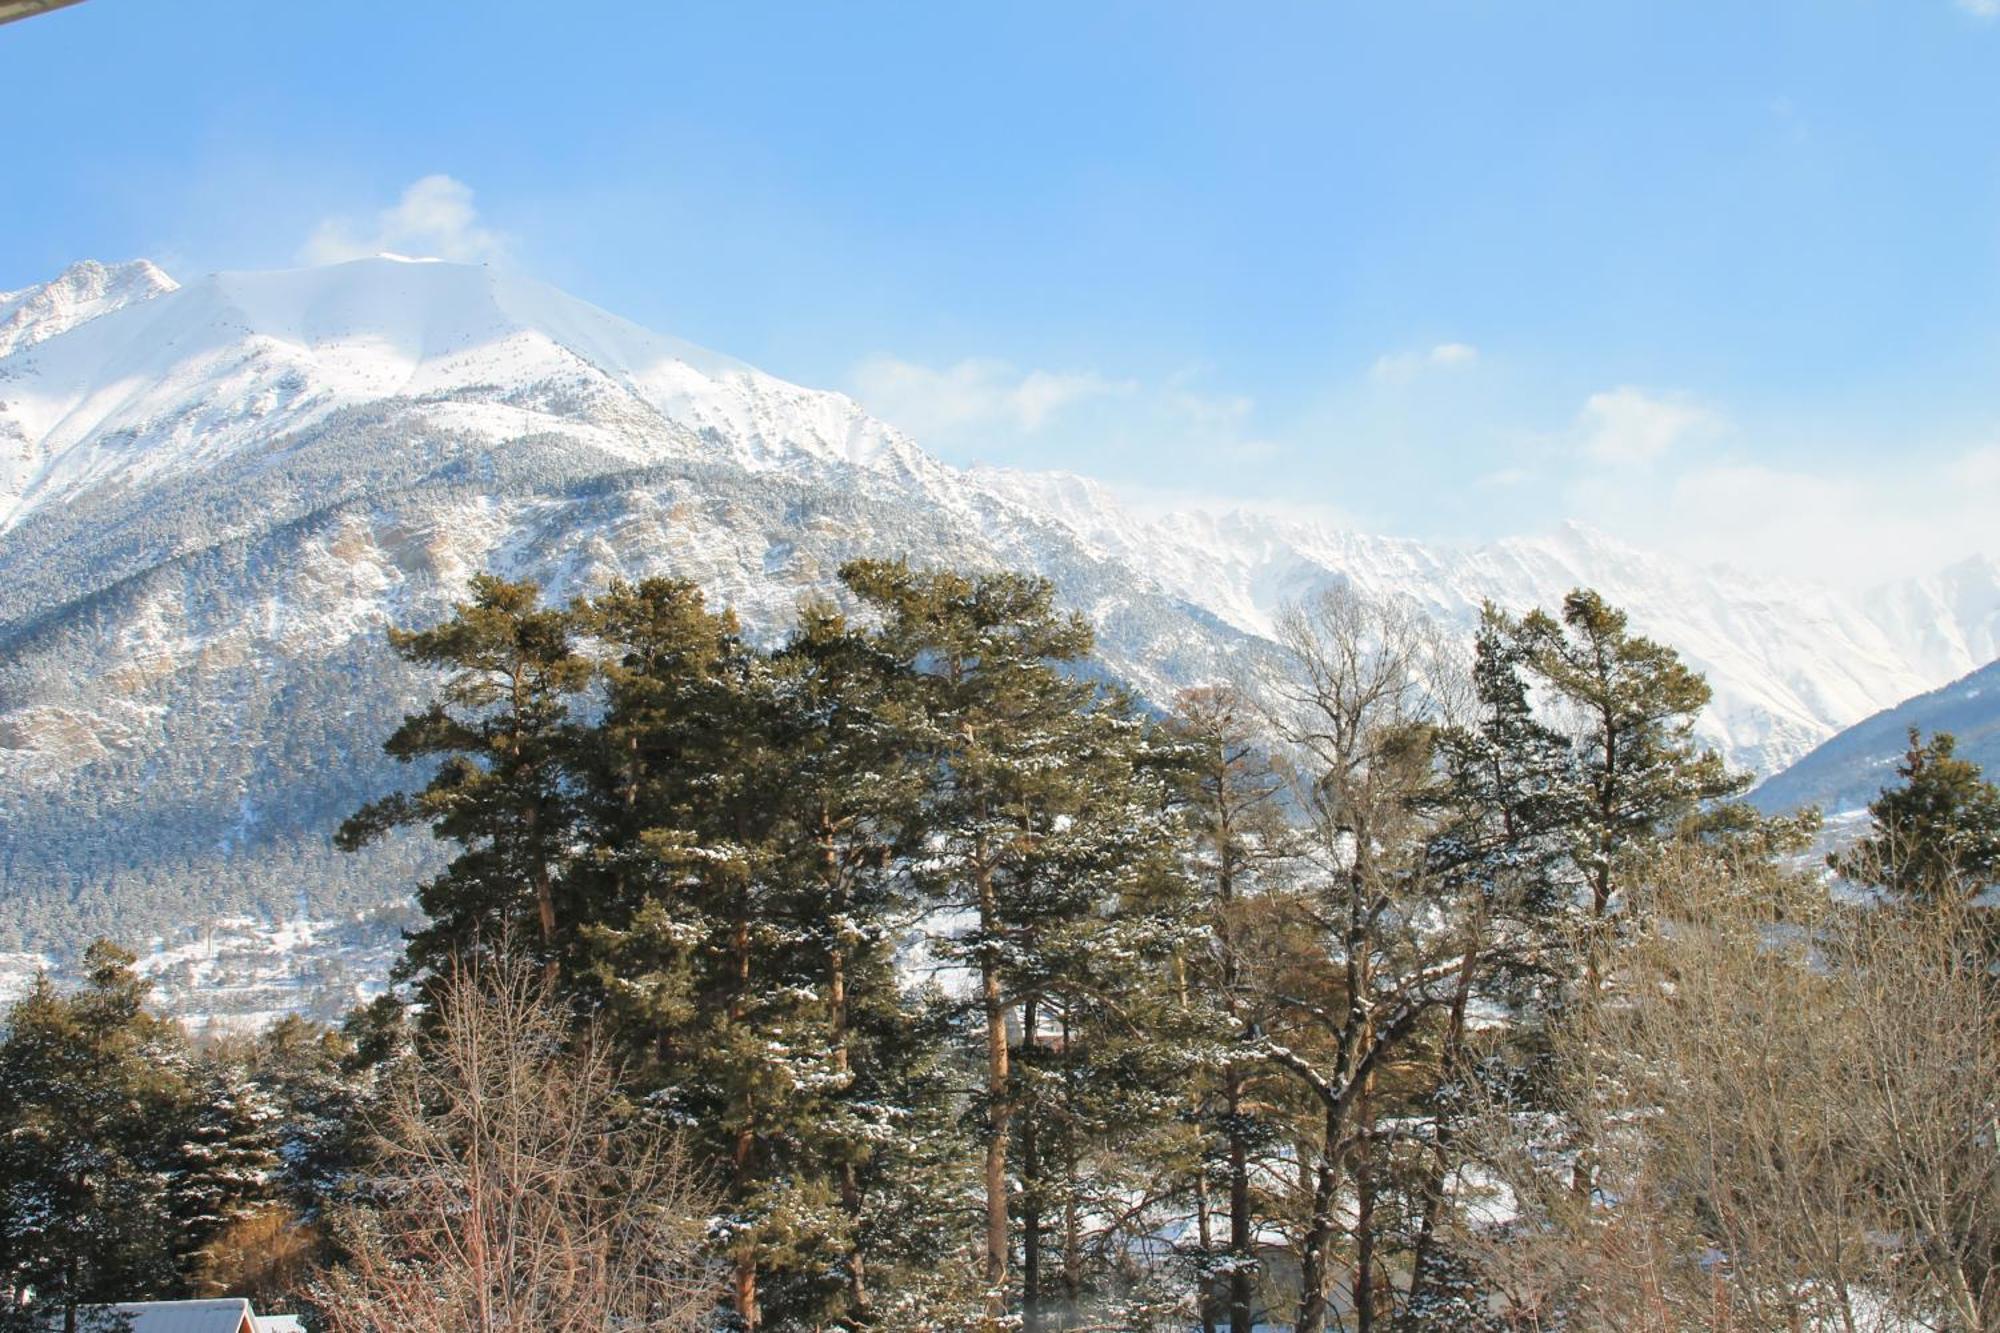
(498,732)
(992,710)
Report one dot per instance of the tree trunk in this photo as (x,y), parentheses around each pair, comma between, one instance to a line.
(1364,1244)
(1316,1270)
(1240,1257)
(1204,1225)
(836,989)
(998,1114)
(744,1290)
(1434,1176)
(1072,1214)
(1031,1195)
(745,1285)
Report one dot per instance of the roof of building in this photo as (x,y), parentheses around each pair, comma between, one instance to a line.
(228,1315)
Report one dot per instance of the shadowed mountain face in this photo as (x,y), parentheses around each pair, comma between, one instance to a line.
(213,497)
(1847,771)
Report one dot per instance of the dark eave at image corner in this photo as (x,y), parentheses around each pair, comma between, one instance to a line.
(24,9)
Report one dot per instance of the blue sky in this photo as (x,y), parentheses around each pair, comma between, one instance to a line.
(1718,277)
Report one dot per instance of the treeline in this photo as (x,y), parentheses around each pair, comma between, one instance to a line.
(135,1163)
(1389,990)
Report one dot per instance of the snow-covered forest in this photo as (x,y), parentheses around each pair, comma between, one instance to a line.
(902,973)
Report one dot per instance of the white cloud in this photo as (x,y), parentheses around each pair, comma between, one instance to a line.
(1402,367)
(984,407)
(1852,525)
(1985,9)
(434,219)
(1627,425)
(1164,502)
(979,393)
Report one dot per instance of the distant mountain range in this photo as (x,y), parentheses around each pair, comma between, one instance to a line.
(1845,772)
(214,496)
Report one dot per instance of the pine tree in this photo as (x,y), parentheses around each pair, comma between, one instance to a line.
(850,819)
(1099,918)
(1241,843)
(313,1075)
(1506,804)
(86,1082)
(1934,837)
(225,1165)
(991,711)
(711,990)
(500,729)
(1643,775)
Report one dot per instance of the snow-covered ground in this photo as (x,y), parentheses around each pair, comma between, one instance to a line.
(240,975)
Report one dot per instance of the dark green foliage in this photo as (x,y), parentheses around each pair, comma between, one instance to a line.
(746,862)
(499,792)
(226,1166)
(1631,706)
(90,1086)
(319,1082)
(126,1157)
(1936,835)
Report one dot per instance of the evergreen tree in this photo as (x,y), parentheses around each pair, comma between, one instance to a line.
(850,806)
(312,1075)
(499,732)
(1936,835)
(711,989)
(86,1083)
(1644,779)
(992,712)
(1098,920)
(1241,843)
(1507,801)
(225,1167)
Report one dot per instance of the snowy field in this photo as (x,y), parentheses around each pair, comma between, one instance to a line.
(238,974)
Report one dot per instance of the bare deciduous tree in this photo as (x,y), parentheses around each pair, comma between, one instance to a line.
(512,1190)
(1793,1102)
(1370,952)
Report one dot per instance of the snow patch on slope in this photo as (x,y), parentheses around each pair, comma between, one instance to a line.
(81,293)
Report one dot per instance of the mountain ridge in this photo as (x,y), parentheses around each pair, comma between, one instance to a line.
(213,496)
(1845,772)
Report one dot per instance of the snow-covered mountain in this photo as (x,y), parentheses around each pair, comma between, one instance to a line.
(1844,773)
(213,497)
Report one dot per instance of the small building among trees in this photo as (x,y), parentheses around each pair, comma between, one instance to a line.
(231,1314)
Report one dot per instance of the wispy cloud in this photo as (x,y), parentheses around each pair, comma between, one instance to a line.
(1984,9)
(1402,367)
(982,403)
(978,392)
(1627,425)
(1856,525)
(434,219)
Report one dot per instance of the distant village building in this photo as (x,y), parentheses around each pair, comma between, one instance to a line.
(229,1314)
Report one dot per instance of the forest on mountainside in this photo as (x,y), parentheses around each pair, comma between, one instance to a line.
(918,979)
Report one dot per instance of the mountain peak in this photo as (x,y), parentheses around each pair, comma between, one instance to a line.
(77,295)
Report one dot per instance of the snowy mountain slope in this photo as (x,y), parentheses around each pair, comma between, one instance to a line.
(1845,772)
(1785,658)
(213,498)
(198,373)
(79,294)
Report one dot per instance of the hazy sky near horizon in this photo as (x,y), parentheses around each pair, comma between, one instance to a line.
(1714,276)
